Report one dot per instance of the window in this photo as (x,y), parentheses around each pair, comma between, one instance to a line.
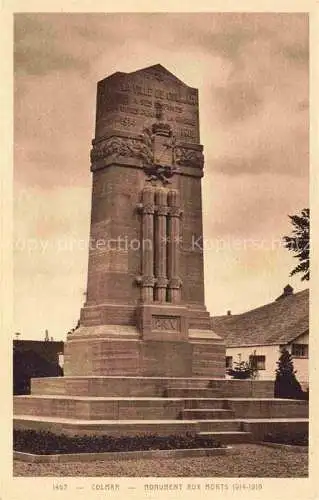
(229,361)
(258,362)
(299,350)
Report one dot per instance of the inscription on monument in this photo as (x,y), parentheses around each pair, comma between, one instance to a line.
(127,102)
(166,323)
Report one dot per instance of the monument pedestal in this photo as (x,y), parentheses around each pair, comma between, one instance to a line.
(118,350)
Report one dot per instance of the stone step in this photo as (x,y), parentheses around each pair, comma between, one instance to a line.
(99,408)
(116,385)
(215,403)
(181,392)
(247,388)
(193,383)
(268,408)
(260,427)
(116,428)
(228,437)
(219,425)
(206,413)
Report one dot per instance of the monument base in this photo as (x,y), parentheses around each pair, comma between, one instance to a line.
(109,350)
(225,410)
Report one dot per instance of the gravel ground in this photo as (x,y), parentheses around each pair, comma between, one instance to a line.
(253,461)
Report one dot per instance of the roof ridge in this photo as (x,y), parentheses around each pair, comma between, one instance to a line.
(294,295)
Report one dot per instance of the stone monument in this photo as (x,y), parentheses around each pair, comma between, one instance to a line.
(144,359)
(145,311)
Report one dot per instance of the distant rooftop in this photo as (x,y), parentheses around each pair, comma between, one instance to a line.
(279,322)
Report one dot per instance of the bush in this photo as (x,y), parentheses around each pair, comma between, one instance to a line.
(242,370)
(47,443)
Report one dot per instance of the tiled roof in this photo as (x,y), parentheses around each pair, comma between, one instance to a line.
(279,322)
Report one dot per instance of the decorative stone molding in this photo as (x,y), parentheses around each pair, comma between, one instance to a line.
(175,211)
(148,208)
(148,281)
(175,283)
(147,139)
(188,157)
(144,149)
(161,210)
(161,282)
(163,129)
(123,147)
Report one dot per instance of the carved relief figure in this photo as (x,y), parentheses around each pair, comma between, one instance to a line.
(155,147)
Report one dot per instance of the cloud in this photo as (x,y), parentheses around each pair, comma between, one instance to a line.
(283,158)
(257,120)
(45,221)
(252,75)
(53,130)
(37,50)
(251,206)
(237,101)
(229,34)
(44,60)
(253,96)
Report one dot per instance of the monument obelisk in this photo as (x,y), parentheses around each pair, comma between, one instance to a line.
(145,311)
(144,359)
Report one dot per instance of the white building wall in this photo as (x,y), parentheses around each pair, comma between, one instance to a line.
(301,365)
(272,353)
(61,359)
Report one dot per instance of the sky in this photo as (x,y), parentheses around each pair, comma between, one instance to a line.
(252,74)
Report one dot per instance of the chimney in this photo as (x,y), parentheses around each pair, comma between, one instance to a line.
(288,290)
(228,313)
(46,337)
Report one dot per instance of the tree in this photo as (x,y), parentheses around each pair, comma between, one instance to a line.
(298,243)
(286,383)
(244,370)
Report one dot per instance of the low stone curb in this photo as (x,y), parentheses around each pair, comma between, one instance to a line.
(126,455)
(287,447)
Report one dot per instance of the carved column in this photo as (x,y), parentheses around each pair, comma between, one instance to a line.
(148,245)
(174,291)
(160,245)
